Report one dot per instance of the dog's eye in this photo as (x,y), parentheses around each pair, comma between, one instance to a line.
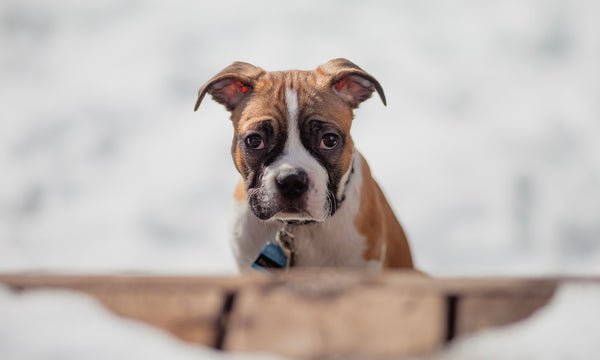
(255,141)
(329,141)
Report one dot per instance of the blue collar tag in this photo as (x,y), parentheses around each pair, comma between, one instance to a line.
(271,257)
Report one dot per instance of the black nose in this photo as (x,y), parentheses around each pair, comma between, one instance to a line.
(292,183)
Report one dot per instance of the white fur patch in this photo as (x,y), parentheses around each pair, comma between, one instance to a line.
(296,156)
(291,101)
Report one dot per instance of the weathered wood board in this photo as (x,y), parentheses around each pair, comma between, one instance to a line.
(312,314)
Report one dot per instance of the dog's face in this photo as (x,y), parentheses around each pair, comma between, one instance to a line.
(291,140)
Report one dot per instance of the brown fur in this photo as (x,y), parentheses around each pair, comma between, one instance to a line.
(377,222)
(240,191)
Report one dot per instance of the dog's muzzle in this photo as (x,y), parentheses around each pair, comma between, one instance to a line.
(285,195)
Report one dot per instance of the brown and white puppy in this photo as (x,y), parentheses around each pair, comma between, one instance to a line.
(298,163)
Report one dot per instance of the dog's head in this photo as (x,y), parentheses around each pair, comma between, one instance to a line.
(291,140)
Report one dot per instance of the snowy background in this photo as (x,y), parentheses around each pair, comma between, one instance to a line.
(488,149)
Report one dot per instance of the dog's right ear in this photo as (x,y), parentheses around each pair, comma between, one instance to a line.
(231,85)
(350,82)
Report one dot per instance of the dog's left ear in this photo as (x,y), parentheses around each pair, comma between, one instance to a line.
(231,85)
(350,82)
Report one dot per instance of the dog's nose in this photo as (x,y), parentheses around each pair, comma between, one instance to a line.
(292,183)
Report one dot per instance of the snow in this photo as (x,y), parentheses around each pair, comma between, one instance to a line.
(487,149)
(567,328)
(55,324)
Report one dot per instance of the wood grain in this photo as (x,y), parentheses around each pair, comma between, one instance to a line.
(312,314)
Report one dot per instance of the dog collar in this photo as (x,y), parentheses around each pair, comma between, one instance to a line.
(278,255)
(285,240)
(336,203)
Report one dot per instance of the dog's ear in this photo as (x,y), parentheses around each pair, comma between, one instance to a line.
(231,85)
(350,82)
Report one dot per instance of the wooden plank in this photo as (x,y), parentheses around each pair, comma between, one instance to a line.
(484,303)
(335,316)
(34,280)
(189,307)
(314,313)
(192,315)
(479,312)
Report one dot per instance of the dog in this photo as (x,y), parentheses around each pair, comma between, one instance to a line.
(299,168)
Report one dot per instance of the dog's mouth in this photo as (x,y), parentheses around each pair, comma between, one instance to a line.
(290,212)
(293,213)
(268,207)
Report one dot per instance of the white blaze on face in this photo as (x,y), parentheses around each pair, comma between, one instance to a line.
(296,156)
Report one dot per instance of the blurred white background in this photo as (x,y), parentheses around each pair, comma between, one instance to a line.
(487,149)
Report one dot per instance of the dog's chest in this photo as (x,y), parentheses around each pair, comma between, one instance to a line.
(332,244)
